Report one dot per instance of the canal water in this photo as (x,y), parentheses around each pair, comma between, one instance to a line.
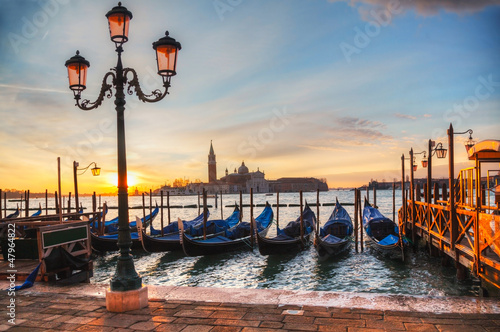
(365,271)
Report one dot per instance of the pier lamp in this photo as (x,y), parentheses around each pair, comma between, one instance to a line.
(451,177)
(126,290)
(96,171)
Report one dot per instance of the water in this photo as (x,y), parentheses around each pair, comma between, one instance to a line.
(353,272)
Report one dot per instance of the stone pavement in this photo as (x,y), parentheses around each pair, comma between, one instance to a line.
(82,308)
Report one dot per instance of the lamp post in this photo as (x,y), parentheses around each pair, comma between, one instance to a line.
(440,153)
(451,173)
(96,171)
(125,278)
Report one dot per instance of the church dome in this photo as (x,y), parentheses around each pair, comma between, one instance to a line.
(243,169)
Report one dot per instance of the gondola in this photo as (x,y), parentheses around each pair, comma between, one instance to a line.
(383,232)
(38,212)
(334,237)
(236,238)
(108,242)
(171,241)
(289,240)
(14,214)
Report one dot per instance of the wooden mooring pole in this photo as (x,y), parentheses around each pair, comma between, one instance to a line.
(252,238)
(168,207)
(356,222)
(360,212)
(204,214)
(241,205)
(161,212)
(221,206)
(277,209)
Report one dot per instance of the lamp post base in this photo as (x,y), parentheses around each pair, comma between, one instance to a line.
(119,301)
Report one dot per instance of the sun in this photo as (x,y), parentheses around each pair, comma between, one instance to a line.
(132,179)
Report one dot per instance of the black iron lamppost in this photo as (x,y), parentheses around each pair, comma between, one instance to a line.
(451,174)
(125,278)
(440,153)
(96,171)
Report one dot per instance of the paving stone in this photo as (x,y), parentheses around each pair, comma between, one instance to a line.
(194,313)
(442,321)
(298,319)
(459,328)
(197,328)
(362,329)
(237,322)
(300,327)
(226,329)
(261,316)
(255,329)
(5,327)
(420,327)
(112,322)
(228,314)
(93,328)
(403,319)
(144,326)
(332,328)
(342,322)
(384,324)
(80,320)
(271,325)
(194,321)
(162,319)
(170,327)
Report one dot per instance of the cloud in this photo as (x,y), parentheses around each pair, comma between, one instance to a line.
(405,116)
(430,7)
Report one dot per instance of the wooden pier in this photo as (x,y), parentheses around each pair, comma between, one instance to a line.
(459,224)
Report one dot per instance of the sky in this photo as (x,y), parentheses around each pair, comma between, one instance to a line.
(327,89)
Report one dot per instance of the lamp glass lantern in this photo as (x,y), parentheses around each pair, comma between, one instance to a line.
(424,162)
(441,152)
(166,56)
(119,20)
(96,171)
(77,72)
(470,143)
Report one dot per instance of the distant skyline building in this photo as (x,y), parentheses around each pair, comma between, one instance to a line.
(243,180)
(212,165)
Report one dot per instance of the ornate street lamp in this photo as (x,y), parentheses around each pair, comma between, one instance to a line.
(126,277)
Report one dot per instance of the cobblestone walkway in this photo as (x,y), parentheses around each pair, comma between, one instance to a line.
(38,311)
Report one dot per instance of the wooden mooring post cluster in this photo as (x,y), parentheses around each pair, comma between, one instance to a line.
(459,222)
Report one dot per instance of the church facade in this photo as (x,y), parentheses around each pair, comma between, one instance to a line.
(243,180)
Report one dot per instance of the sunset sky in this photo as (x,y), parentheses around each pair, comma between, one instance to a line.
(328,89)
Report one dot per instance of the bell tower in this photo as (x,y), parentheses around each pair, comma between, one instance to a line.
(212,165)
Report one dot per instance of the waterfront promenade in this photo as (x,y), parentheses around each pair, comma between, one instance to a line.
(82,308)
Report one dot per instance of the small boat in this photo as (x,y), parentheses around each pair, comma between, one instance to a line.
(335,235)
(107,242)
(236,238)
(14,214)
(289,239)
(38,212)
(383,232)
(170,241)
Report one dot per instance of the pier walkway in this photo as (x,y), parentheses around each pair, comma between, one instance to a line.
(82,308)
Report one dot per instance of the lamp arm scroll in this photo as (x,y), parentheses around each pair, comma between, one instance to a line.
(155,96)
(86,105)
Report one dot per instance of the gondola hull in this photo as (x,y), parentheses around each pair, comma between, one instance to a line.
(103,244)
(326,250)
(218,246)
(170,242)
(222,244)
(282,247)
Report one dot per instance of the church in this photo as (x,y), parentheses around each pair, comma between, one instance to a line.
(240,180)
(243,180)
